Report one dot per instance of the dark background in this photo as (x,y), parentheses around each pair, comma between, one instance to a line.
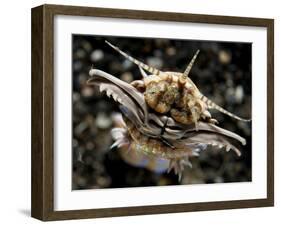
(222,72)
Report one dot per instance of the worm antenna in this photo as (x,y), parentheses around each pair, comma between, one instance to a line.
(144,66)
(213,105)
(189,66)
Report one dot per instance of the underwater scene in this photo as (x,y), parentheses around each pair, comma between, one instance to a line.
(157,112)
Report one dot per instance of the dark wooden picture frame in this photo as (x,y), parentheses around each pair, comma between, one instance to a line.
(43,107)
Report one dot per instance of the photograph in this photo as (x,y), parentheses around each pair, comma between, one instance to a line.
(159,112)
(147,112)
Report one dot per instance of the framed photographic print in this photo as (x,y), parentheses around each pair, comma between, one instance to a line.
(141,112)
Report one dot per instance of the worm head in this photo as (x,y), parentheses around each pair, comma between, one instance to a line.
(160,96)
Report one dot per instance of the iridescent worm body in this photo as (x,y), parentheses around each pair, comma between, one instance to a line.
(135,141)
(179,153)
(154,147)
